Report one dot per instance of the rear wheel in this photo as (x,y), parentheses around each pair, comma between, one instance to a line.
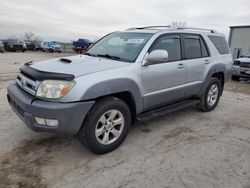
(235,78)
(211,97)
(106,126)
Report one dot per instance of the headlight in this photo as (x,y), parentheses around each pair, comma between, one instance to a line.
(54,89)
(237,63)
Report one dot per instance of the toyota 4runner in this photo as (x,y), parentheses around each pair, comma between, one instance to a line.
(136,74)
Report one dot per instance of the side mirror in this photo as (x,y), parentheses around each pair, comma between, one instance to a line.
(156,57)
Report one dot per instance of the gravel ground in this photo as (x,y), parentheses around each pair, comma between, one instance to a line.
(185,149)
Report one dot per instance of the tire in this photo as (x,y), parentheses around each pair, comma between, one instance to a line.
(100,112)
(205,105)
(235,78)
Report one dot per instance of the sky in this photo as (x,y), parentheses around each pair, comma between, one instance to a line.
(67,20)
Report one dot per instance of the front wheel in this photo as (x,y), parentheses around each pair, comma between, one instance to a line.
(211,97)
(106,126)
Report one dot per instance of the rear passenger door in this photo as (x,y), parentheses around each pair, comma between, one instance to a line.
(197,57)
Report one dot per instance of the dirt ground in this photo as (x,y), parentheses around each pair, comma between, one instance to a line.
(185,149)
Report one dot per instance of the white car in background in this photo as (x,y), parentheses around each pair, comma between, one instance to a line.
(51,46)
(241,68)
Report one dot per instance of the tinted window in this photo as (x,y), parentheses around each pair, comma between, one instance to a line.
(192,47)
(170,43)
(220,44)
(204,51)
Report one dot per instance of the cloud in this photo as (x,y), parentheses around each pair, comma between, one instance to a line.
(72,19)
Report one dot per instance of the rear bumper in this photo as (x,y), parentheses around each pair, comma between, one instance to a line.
(70,116)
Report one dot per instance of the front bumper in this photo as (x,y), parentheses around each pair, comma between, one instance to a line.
(69,115)
(241,71)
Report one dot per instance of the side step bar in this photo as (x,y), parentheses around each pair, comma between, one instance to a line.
(166,109)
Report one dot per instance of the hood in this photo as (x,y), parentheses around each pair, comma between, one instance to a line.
(243,60)
(78,65)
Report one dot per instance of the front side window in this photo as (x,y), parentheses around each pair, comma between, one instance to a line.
(120,46)
(171,44)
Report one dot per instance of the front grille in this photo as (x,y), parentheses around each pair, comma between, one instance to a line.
(27,83)
(17,107)
(17,46)
(245,65)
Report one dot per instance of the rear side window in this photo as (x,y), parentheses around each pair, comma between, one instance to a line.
(204,51)
(170,43)
(220,44)
(194,47)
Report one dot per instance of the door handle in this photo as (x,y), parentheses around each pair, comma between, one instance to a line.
(207,61)
(180,66)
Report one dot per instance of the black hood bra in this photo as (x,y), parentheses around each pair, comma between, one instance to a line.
(42,75)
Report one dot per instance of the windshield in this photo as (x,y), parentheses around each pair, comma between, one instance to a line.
(54,43)
(120,46)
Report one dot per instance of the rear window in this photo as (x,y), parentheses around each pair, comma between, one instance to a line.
(220,44)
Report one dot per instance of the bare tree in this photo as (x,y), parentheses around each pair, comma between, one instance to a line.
(31,37)
(178,24)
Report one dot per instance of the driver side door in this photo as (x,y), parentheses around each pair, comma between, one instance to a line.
(164,83)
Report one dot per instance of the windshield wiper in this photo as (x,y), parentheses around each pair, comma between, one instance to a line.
(108,56)
(89,54)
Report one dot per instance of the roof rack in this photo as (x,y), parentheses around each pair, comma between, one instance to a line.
(149,27)
(170,27)
(200,29)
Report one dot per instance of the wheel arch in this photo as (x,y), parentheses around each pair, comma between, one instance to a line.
(216,71)
(124,89)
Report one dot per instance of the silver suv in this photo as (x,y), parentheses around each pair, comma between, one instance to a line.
(136,74)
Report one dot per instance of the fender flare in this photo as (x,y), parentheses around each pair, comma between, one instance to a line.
(113,86)
(220,67)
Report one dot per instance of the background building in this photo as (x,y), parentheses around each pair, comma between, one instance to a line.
(239,40)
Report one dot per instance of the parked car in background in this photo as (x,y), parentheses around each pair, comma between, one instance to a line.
(1,47)
(38,45)
(30,45)
(81,45)
(241,68)
(14,45)
(51,46)
(136,74)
